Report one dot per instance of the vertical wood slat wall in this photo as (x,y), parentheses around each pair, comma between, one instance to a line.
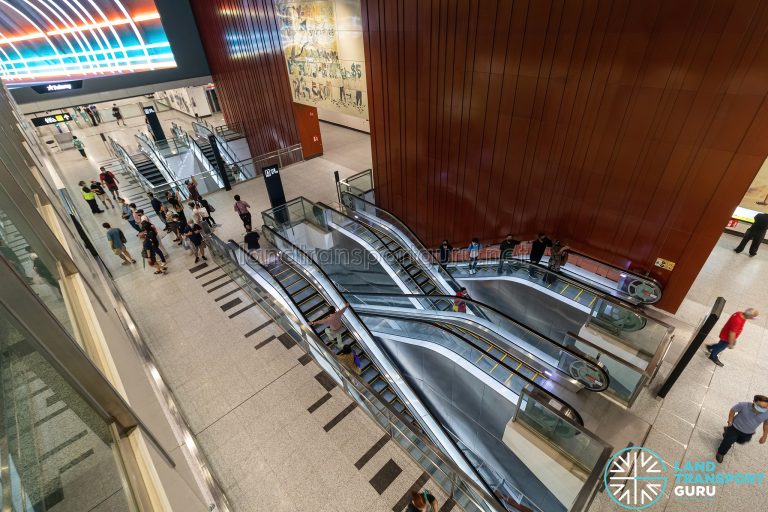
(242,44)
(630,128)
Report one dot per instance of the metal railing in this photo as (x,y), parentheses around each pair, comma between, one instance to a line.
(360,185)
(455,482)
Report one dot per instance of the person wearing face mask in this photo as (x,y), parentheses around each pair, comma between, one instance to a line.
(743,420)
(729,333)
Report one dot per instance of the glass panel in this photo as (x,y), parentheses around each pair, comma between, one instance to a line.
(32,261)
(571,440)
(57,452)
(644,334)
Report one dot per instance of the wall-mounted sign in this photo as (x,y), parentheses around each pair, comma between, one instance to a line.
(58,86)
(665,264)
(149,110)
(51,119)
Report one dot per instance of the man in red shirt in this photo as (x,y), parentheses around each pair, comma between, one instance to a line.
(730,332)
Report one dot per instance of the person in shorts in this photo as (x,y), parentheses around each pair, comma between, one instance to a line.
(117,241)
(110,180)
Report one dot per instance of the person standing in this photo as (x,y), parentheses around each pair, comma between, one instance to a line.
(445,252)
(251,240)
(209,208)
(127,214)
(459,304)
(538,247)
(474,254)
(730,333)
(195,236)
(90,198)
(95,113)
(110,180)
(506,251)
(241,208)
(743,420)
(42,271)
(101,195)
(423,502)
(192,189)
(117,241)
(78,144)
(157,205)
(755,233)
(84,115)
(90,115)
(334,325)
(152,245)
(117,114)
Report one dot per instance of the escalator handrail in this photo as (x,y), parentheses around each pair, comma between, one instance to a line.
(354,313)
(490,499)
(573,282)
(404,227)
(482,305)
(577,253)
(437,325)
(371,231)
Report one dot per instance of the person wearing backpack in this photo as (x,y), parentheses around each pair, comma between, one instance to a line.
(117,241)
(423,502)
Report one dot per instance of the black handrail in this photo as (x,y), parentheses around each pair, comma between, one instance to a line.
(491,498)
(267,229)
(584,357)
(437,325)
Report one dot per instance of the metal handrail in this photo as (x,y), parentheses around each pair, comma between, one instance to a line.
(368,391)
(481,305)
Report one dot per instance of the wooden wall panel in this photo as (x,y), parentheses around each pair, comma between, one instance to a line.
(241,41)
(630,128)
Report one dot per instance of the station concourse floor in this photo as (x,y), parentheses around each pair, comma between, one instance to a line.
(247,393)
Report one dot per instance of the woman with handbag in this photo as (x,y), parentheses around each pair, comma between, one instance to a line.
(423,502)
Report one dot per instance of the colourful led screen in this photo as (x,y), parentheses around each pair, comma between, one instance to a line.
(44,41)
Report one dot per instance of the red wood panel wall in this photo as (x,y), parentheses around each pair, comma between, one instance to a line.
(242,44)
(630,128)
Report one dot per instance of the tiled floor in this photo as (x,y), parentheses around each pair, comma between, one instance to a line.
(264,454)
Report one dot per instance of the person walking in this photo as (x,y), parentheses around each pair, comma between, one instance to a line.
(334,325)
(445,252)
(743,420)
(78,144)
(730,333)
(90,198)
(755,234)
(195,236)
(101,195)
(117,241)
(110,180)
(538,247)
(423,502)
(117,114)
(506,251)
(127,214)
(241,208)
(474,253)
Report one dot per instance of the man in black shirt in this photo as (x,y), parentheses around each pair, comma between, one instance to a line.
(251,239)
(539,246)
(755,233)
(506,250)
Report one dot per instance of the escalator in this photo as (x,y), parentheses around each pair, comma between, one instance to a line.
(393,250)
(313,306)
(149,170)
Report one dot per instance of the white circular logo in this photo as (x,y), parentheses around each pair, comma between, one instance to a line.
(634,478)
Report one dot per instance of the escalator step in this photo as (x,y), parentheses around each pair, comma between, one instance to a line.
(388,395)
(369,375)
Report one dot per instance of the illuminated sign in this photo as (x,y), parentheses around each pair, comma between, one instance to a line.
(51,119)
(744,214)
(64,41)
(665,264)
(58,86)
(149,110)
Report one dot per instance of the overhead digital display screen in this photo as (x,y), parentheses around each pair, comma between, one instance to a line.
(51,41)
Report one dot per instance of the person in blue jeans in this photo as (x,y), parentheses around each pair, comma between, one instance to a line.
(728,334)
(474,254)
(743,420)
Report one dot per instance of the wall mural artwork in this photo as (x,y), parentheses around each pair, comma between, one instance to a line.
(323,45)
